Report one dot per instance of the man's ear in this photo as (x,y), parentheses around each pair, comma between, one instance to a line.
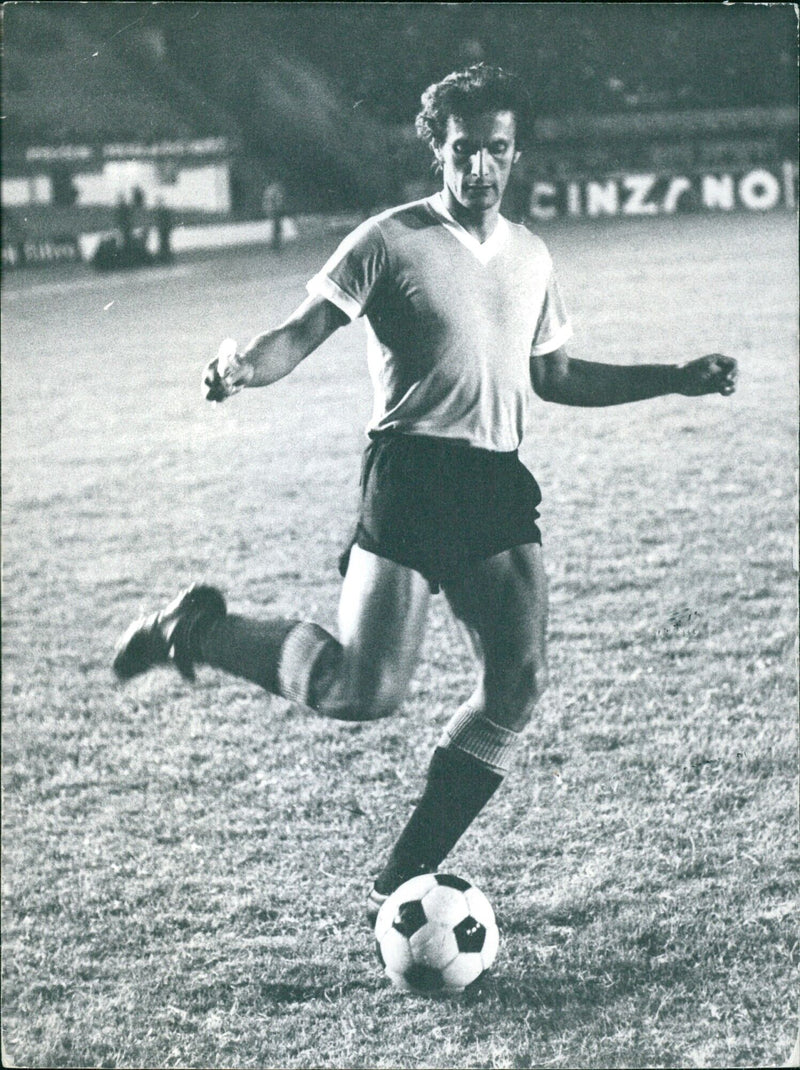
(517,155)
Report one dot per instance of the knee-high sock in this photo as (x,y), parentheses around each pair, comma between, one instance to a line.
(467,768)
(295,659)
(243,647)
(457,789)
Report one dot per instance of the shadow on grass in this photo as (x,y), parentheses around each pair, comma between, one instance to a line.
(557,997)
(283,992)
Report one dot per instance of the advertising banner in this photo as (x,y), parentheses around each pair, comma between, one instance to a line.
(760,189)
(62,249)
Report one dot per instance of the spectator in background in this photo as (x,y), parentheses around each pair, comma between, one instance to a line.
(272,205)
(124,220)
(65,192)
(163,218)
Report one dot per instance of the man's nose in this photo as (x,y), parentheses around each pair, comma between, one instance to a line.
(478,163)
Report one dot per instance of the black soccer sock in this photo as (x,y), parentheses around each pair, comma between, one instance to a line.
(457,789)
(247,648)
(295,659)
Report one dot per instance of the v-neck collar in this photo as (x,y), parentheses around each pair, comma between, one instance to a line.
(482,251)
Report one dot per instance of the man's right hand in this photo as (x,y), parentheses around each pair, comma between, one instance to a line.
(227,373)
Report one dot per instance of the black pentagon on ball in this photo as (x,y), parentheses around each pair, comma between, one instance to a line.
(470,935)
(449,881)
(409,918)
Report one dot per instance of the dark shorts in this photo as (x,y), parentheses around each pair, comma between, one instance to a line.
(438,506)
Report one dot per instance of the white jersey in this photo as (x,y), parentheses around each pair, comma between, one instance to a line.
(452,322)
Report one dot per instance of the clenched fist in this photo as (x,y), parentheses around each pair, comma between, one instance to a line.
(712,374)
(227,373)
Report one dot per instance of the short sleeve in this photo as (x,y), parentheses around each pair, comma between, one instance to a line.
(350,277)
(554,328)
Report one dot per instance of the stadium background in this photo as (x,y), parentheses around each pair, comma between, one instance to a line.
(642,109)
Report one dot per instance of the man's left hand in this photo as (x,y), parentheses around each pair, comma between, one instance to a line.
(712,374)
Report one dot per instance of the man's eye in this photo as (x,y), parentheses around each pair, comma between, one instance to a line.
(499,148)
(460,147)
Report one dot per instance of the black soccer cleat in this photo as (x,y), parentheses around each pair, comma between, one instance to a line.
(162,637)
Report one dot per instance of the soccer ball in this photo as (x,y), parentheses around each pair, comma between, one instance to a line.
(436,933)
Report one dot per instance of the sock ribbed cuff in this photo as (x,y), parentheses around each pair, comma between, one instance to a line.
(308,663)
(475,734)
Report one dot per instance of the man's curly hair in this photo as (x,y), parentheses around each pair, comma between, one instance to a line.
(473,91)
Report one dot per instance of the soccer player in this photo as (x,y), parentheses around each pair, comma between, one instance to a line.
(465,321)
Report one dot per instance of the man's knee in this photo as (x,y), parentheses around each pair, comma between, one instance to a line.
(365,703)
(516,691)
(373,688)
(319,672)
(375,705)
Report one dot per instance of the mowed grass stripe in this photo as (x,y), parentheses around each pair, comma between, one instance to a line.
(184,868)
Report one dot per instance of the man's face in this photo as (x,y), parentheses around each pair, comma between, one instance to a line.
(476,157)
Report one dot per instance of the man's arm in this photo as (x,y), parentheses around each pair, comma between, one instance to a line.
(560,378)
(272,355)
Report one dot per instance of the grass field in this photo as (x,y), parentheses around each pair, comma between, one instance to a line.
(185,867)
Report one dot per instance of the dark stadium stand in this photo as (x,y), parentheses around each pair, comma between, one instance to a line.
(62,84)
(321,95)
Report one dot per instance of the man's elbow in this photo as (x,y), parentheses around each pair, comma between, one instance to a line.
(547,374)
(545,386)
